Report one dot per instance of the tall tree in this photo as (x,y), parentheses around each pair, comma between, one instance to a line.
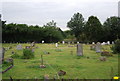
(112,28)
(50,24)
(76,25)
(93,29)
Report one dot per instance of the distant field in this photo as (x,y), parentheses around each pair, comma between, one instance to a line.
(74,66)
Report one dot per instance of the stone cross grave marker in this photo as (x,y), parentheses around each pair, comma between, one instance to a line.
(98,47)
(79,50)
(19,47)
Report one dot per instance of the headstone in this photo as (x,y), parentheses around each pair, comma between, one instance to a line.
(103,43)
(73,42)
(33,44)
(3,53)
(102,58)
(43,41)
(98,47)
(113,42)
(92,47)
(108,42)
(19,47)
(69,43)
(63,42)
(56,44)
(77,42)
(79,50)
(93,42)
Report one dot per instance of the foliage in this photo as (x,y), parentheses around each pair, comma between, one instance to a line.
(28,54)
(15,55)
(116,46)
(76,25)
(93,29)
(24,33)
(111,28)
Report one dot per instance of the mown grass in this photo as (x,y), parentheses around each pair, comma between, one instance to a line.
(74,66)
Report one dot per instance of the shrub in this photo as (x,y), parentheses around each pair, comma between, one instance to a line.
(27,54)
(116,46)
(15,56)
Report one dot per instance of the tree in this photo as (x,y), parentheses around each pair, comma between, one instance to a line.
(76,25)
(50,24)
(93,29)
(112,28)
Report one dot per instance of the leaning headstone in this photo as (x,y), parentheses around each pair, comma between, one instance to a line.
(79,50)
(56,44)
(98,47)
(63,42)
(19,47)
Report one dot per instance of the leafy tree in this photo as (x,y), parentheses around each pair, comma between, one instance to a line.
(112,28)
(50,24)
(76,25)
(93,29)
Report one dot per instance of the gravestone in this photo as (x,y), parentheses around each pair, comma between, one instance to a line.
(19,47)
(113,42)
(63,42)
(93,42)
(103,43)
(108,42)
(92,47)
(3,53)
(33,44)
(69,43)
(43,41)
(98,47)
(56,44)
(79,50)
(77,42)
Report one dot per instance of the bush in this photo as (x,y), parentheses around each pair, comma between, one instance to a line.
(15,56)
(27,54)
(116,46)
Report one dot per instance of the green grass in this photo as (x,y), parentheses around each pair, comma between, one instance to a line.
(75,67)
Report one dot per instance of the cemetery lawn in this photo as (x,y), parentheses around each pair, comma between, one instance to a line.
(76,67)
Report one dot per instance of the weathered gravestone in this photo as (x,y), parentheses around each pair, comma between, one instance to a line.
(19,47)
(79,50)
(98,47)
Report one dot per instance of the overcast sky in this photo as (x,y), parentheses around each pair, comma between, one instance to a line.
(39,12)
